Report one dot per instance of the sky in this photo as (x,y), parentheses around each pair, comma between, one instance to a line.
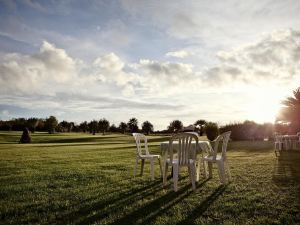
(221,61)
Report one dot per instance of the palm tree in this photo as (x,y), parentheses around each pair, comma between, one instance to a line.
(133,125)
(103,125)
(123,127)
(147,127)
(175,126)
(201,124)
(290,112)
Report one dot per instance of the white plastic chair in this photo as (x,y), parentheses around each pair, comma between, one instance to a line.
(143,154)
(185,156)
(280,143)
(298,141)
(219,159)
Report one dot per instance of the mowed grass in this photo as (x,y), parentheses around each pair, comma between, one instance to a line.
(86,179)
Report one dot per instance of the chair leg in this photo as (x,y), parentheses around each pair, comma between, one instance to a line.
(198,170)
(136,164)
(221,172)
(165,174)
(191,170)
(161,172)
(228,171)
(142,166)
(190,174)
(204,169)
(152,168)
(175,176)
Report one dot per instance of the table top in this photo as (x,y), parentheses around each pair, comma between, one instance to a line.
(291,136)
(202,145)
(176,142)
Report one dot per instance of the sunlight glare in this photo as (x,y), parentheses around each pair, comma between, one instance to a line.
(264,106)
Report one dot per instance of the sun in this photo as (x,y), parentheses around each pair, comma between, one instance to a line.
(264,107)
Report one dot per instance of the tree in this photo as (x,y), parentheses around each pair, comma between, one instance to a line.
(113,128)
(50,124)
(175,126)
(63,126)
(212,131)
(93,126)
(133,125)
(201,125)
(290,112)
(103,125)
(83,126)
(147,127)
(33,123)
(123,127)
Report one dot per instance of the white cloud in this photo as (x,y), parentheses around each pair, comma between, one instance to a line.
(30,73)
(110,68)
(109,62)
(179,54)
(216,24)
(272,60)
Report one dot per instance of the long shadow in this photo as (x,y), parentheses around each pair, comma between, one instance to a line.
(80,144)
(120,199)
(200,209)
(287,171)
(151,210)
(287,166)
(160,211)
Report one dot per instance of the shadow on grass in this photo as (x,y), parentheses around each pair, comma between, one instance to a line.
(287,170)
(287,166)
(204,205)
(115,145)
(108,206)
(148,212)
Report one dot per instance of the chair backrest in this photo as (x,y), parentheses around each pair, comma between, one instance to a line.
(223,139)
(186,149)
(278,137)
(141,144)
(298,134)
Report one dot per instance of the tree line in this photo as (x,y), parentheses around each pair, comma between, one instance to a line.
(51,125)
(288,121)
(240,131)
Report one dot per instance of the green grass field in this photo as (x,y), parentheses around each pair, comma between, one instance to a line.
(86,179)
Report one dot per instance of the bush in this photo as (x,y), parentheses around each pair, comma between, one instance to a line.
(211,130)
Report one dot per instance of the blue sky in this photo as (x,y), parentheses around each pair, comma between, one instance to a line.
(222,61)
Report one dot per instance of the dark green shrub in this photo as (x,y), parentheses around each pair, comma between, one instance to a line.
(211,130)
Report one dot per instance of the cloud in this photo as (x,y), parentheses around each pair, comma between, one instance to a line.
(81,102)
(218,24)
(178,54)
(35,5)
(109,62)
(30,73)
(109,68)
(163,78)
(272,60)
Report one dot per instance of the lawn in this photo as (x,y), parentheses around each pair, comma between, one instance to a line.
(86,179)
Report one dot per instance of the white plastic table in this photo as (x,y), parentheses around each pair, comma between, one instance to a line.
(203,146)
